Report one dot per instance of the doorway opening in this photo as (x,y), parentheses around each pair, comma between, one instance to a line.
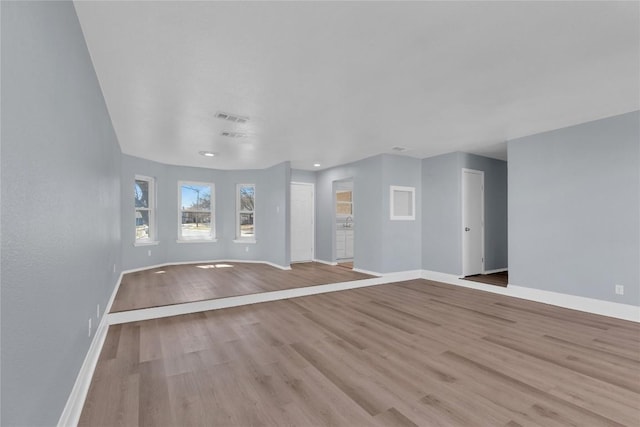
(344,222)
(498,279)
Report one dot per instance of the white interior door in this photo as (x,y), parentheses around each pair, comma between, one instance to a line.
(302,227)
(472,222)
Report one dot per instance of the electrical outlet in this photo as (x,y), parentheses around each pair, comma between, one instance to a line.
(149,252)
(246,248)
(114,268)
(89,326)
(619,289)
(98,312)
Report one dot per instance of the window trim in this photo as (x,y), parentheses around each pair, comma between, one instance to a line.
(239,238)
(340,215)
(151,240)
(212,237)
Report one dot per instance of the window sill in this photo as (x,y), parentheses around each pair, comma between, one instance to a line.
(249,241)
(147,243)
(198,241)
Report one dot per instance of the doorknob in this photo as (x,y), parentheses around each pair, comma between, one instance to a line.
(467,229)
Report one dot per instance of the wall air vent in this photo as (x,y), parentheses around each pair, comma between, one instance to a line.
(232,117)
(233,134)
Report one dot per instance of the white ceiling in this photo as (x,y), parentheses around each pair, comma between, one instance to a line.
(334,82)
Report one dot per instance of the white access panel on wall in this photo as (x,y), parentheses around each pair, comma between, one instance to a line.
(472,222)
(302,222)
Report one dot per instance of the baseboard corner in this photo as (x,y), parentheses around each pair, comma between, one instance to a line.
(497,270)
(73,408)
(321,261)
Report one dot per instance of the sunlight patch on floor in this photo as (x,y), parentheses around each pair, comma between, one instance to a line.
(207,266)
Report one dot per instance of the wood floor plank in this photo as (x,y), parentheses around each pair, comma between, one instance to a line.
(415,353)
(353,387)
(177,284)
(541,399)
(498,279)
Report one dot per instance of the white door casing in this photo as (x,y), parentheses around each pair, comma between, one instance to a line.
(472,222)
(302,222)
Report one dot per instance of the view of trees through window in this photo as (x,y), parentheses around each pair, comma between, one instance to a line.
(247,210)
(196,211)
(142,196)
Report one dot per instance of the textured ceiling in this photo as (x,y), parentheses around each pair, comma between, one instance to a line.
(334,82)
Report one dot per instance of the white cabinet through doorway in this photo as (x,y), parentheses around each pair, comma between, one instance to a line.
(344,244)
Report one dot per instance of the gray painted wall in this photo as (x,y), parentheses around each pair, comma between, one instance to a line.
(60,214)
(574,201)
(298,175)
(368,211)
(442,211)
(402,244)
(272,231)
(380,245)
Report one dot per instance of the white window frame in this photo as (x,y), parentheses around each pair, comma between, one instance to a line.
(239,238)
(151,240)
(340,215)
(395,216)
(212,235)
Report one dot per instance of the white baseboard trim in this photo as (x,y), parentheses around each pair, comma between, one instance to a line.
(208,261)
(199,306)
(497,270)
(281,267)
(148,267)
(371,273)
(321,261)
(73,408)
(589,305)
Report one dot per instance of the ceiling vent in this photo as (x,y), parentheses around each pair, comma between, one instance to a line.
(399,149)
(232,117)
(233,134)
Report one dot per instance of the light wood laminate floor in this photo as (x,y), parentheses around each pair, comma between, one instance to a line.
(176,284)
(404,354)
(499,279)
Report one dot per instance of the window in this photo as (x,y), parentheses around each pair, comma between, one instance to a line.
(196,222)
(246,212)
(144,197)
(402,203)
(344,203)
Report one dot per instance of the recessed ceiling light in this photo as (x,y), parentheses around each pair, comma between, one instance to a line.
(207,154)
(316,165)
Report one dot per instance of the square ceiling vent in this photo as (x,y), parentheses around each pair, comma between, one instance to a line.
(232,117)
(230,134)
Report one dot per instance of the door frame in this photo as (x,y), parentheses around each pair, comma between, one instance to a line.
(482,219)
(334,189)
(313,218)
